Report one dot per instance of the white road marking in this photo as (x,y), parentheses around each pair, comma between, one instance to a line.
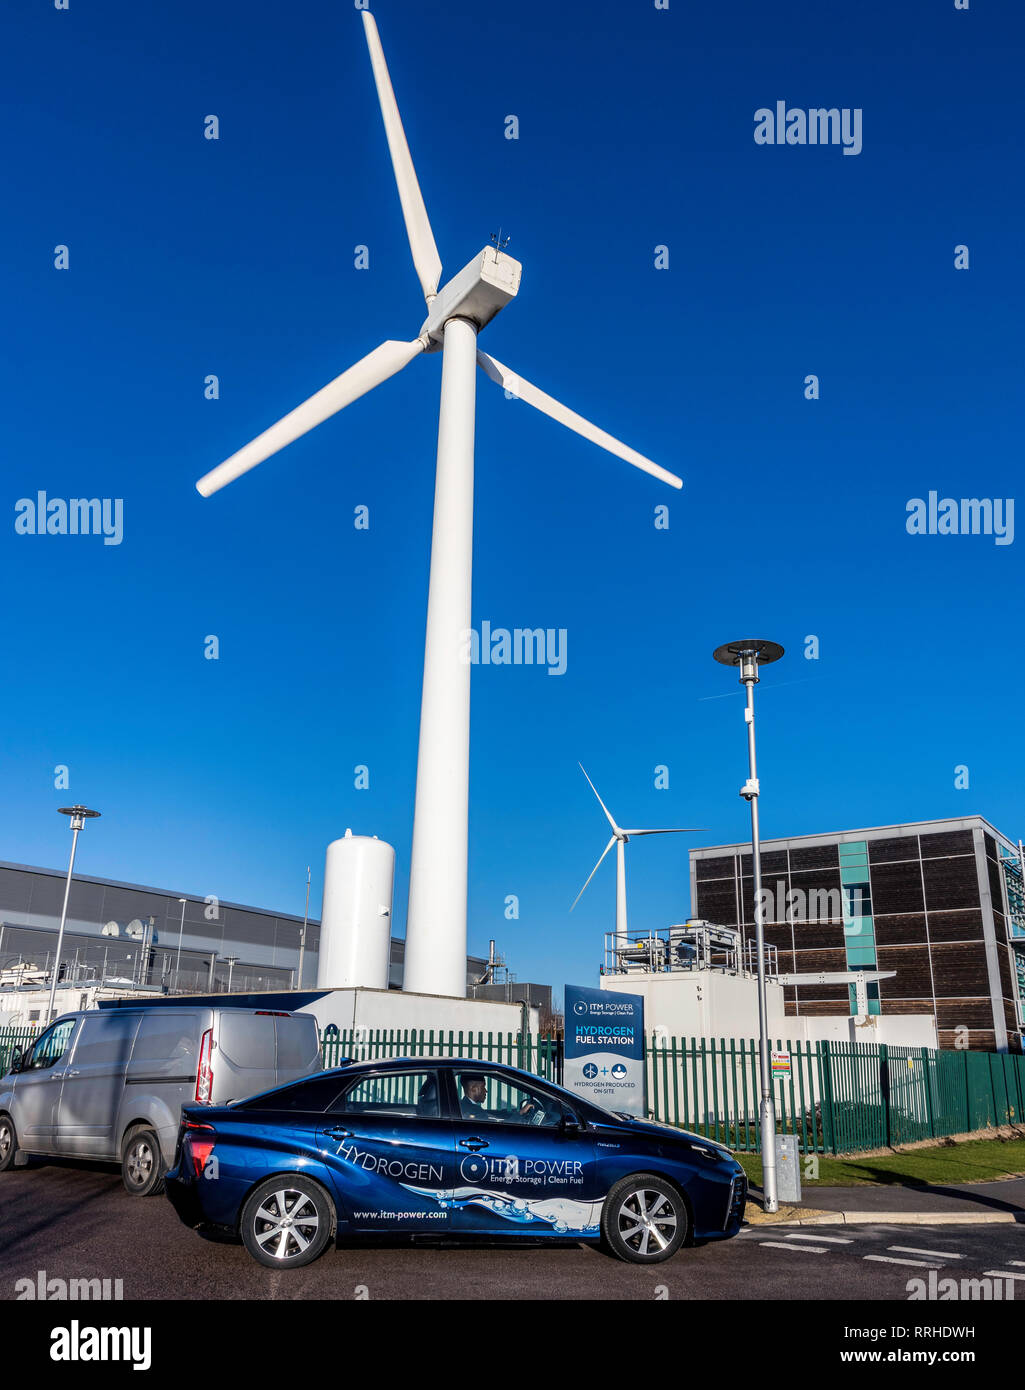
(1003,1273)
(892,1260)
(808,1249)
(936,1254)
(1018,1263)
(833,1240)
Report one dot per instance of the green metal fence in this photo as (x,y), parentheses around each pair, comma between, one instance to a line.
(836,1097)
(10,1038)
(541,1055)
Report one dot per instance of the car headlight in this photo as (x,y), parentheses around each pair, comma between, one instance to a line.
(712,1154)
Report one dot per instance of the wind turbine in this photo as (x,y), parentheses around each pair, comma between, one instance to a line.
(619,839)
(435,960)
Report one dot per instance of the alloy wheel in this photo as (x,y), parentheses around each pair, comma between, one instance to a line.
(286,1223)
(646,1221)
(139,1162)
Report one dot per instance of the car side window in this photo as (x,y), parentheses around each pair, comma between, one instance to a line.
(313,1096)
(51,1047)
(408,1093)
(494,1097)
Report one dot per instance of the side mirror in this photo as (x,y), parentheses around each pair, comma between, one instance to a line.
(16,1060)
(569,1124)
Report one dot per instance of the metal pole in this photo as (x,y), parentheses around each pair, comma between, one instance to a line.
(76,826)
(302,939)
(178,958)
(768,1107)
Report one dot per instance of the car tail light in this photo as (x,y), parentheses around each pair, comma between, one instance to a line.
(200,1149)
(272,1013)
(205,1074)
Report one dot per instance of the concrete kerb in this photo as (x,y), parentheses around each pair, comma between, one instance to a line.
(887,1218)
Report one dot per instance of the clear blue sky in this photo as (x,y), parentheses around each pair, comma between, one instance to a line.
(235,257)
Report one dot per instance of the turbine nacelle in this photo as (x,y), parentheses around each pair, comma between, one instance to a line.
(477,293)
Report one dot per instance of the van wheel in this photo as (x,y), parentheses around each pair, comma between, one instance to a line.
(287,1222)
(141,1164)
(8,1143)
(644,1219)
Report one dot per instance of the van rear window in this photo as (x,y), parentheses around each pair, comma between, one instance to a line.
(247,1041)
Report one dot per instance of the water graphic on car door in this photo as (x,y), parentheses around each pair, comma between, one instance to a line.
(522,1160)
(392,1152)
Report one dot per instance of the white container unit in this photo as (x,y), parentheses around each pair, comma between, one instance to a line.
(355,925)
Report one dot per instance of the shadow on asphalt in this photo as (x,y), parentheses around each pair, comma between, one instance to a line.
(883,1177)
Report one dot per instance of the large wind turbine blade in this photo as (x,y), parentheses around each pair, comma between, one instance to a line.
(594,870)
(418,228)
(671,830)
(367,373)
(601,803)
(553,408)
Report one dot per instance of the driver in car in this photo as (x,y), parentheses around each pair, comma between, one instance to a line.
(475,1093)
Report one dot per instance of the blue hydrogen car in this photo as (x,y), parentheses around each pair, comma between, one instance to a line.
(446,1147)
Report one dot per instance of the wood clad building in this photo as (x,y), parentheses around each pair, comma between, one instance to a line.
(941,903)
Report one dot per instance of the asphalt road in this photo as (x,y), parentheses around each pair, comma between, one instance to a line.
(74,1221)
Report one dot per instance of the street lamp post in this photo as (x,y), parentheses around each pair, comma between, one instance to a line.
(302,939)
(181,929)
(748,654)
(232,962)
(79,815)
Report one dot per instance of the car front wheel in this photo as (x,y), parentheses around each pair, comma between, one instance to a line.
(287,1222)
(644,1219)
(8,1143)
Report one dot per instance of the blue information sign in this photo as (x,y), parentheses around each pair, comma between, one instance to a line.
(604,1058)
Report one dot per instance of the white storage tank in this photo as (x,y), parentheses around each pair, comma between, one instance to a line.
(355,923)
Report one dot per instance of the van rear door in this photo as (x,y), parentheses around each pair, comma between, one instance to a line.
(257,1050)
(298,1039)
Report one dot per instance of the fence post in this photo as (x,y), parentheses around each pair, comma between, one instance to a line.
(828,1113)
(884,1088)
(928,1074)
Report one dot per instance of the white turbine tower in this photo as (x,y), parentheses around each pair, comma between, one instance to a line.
(435,961)
(619,839)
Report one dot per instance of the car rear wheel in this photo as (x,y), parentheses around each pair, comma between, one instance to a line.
(287,1222)
(644,1219)
(8,1143)
(141,1163)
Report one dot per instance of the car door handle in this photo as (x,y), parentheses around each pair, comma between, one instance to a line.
(473,1144)
(338,1132)
(71,1073)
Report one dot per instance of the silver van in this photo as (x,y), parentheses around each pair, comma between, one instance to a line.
(109,1084)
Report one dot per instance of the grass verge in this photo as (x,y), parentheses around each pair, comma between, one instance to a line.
(973,1160)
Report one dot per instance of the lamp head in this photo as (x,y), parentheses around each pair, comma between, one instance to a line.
(748,653)
(79,815)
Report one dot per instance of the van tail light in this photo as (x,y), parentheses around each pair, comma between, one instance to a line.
(205,1074)
(200,1149)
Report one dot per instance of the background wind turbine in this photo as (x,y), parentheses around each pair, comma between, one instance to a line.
(619,839)
(435,959)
